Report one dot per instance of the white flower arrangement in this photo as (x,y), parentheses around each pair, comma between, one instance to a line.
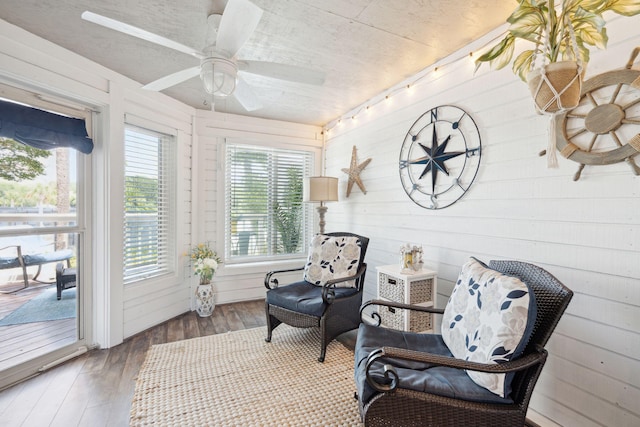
(205,262)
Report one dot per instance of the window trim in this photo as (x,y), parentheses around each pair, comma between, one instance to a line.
(282,143)
(171,266)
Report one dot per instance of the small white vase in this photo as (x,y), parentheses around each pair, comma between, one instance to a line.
(205,300)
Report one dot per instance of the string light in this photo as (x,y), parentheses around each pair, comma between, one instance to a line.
(433,70)
(404,87)
(368,106)
(410,89)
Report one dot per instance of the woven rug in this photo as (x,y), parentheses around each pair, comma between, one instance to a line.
(238,379)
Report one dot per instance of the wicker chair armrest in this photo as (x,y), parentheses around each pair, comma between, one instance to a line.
(395,304)
(268,281)
(328,292)
(519,364)
(391,375)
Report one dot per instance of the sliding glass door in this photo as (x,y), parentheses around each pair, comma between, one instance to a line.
(42,241)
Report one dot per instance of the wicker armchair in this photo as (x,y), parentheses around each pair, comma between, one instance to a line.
(384,358)
(332,308)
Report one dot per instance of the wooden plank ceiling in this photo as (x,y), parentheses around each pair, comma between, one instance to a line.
(363,46)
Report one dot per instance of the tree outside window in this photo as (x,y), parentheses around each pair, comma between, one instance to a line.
(264,211)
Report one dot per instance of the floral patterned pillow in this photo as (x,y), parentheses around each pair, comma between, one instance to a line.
(488,319)
(332,257)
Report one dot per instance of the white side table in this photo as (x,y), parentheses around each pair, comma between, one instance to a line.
(417,288)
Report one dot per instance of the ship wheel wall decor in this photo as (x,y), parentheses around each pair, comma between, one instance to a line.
(605,126)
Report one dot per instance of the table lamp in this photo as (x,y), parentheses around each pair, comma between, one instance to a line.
(320,189)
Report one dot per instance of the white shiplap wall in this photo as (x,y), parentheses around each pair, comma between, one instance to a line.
(119,311)
(115,311)
(586,233)
(149,302)
(243,281)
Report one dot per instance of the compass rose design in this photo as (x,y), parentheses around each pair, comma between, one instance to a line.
(440,157)
(435,158)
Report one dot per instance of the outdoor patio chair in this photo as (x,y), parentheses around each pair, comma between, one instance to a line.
(481,369)
(330,293)
(65,279)
(17,259)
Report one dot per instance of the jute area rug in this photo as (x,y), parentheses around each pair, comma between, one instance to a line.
(237,379)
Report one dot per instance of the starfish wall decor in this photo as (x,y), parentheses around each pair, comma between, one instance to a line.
(354,172)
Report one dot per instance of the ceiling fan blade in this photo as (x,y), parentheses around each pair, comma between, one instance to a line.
(139,33)
(172,79)
(239,21)
(282,72)
(246,97)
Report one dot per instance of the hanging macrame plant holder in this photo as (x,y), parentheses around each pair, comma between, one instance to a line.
(555,86)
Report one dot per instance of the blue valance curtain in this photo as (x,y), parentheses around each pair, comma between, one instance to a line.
(41,129)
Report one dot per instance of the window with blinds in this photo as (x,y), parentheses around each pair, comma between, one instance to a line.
(148,206)
(264,213)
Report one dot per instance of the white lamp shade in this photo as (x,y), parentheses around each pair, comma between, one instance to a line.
(320,189)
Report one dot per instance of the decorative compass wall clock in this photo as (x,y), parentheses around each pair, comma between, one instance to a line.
(440,156)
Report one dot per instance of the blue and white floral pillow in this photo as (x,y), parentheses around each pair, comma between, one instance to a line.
(332,257)
(488,319)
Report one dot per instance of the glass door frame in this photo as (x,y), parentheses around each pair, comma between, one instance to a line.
(84,257)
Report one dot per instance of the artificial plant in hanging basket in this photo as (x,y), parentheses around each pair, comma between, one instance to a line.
(561,35)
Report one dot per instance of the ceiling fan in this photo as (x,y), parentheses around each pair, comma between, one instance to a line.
(219,66)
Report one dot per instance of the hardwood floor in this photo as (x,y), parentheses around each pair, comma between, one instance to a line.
(96,389)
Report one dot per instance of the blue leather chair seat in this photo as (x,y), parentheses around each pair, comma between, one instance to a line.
(303,297)
(47,257)
(9,262)
(442,381)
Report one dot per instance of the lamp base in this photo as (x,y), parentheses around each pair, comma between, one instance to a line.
(321,211)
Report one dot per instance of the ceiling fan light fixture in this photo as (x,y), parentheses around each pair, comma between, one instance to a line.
(219,76)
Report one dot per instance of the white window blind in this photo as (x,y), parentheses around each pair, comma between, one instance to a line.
(264,213)
(149,217)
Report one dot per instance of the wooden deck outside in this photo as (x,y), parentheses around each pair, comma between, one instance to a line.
(19,343)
